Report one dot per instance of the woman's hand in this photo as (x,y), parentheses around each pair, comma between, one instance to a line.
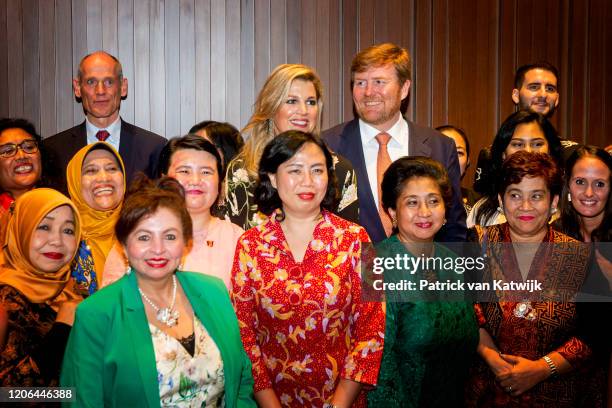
(524,374)
(496,363)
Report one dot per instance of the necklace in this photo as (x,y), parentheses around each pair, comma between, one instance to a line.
(167,315)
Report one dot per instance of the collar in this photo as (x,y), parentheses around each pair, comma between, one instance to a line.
(398,133)
(114,129)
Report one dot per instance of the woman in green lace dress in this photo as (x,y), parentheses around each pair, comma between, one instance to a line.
(430,338)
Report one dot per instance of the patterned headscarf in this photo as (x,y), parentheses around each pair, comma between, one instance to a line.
(98,227)
(17,270)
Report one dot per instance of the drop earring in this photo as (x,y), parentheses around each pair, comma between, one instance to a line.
(569,197)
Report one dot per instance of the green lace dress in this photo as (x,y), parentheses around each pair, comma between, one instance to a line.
(429,344)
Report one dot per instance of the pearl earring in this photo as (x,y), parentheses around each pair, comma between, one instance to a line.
(569,197)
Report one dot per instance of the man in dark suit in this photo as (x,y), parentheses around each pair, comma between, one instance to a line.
(100,86)
(380,78)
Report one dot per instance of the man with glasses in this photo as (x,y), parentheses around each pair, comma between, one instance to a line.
(100,86)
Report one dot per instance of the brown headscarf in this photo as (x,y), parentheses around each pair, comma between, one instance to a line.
(17,269)
(98,227)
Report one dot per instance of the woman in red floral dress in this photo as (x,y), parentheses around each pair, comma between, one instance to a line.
(297,286)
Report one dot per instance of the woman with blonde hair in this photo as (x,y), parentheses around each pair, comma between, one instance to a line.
(290,99)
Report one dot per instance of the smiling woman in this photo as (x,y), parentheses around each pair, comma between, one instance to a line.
(296,285)
(20,163)
(291,99)
(158,336)
(42,237)
(96,183)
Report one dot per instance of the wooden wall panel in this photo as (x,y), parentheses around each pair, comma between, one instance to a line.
(247,60)
(14,57)
(4,103)
(187,65)
(218,62)
(233,67)
(63,65)
(125,34)
(193,60)
(140,84)
(31,72)
(79,50)
(94,24)
(46,28)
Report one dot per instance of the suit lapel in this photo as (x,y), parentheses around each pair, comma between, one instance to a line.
(417,142)
(142,344)
(127,150)
(203,310)
(352,148)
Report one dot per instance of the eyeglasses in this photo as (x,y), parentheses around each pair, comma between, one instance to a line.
(28,146)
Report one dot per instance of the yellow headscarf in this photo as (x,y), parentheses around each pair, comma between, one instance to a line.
(17,269)
(98,228)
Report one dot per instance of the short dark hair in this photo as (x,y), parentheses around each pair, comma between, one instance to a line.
(504,135)
(145,197)
(530,164)
(405,169)
(460,132)
(223,135)
(280,149)
(29,128)
(570,220)
(519,77)
(193,142)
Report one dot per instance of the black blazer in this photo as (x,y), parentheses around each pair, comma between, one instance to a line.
(138,148)
(345,139)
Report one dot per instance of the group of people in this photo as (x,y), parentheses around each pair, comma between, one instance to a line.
(227,268)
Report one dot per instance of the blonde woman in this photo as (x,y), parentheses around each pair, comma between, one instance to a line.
(291,99)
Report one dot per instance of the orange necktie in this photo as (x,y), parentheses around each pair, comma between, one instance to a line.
(383,161)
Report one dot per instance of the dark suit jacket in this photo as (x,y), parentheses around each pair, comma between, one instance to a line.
(138,148)
(345,139)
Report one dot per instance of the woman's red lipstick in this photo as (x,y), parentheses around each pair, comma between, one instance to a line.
(306,196)
(53,255)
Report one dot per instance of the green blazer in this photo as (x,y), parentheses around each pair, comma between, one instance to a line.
(110,359)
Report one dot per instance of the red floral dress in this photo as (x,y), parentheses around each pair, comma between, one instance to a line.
(303,324)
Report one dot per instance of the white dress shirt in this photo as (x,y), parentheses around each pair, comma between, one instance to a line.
(114,129)
(397,147)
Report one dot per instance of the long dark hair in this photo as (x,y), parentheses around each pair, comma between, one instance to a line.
(571,221)
(504,135)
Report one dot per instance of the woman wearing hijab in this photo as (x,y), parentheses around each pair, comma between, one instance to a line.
(96,184)
(42,237)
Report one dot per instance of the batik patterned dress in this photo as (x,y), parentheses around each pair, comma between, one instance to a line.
(303,323)
(538,328)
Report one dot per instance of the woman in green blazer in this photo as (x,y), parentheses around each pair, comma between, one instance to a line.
(157,337)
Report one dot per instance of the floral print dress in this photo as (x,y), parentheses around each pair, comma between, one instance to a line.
(303,324)
(185,380)
(240,193)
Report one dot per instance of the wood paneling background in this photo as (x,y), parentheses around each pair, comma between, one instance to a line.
(191,60)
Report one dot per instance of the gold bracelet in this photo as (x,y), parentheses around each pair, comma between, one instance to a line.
(552,366)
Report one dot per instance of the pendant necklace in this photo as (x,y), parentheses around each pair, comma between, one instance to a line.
(167,315)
